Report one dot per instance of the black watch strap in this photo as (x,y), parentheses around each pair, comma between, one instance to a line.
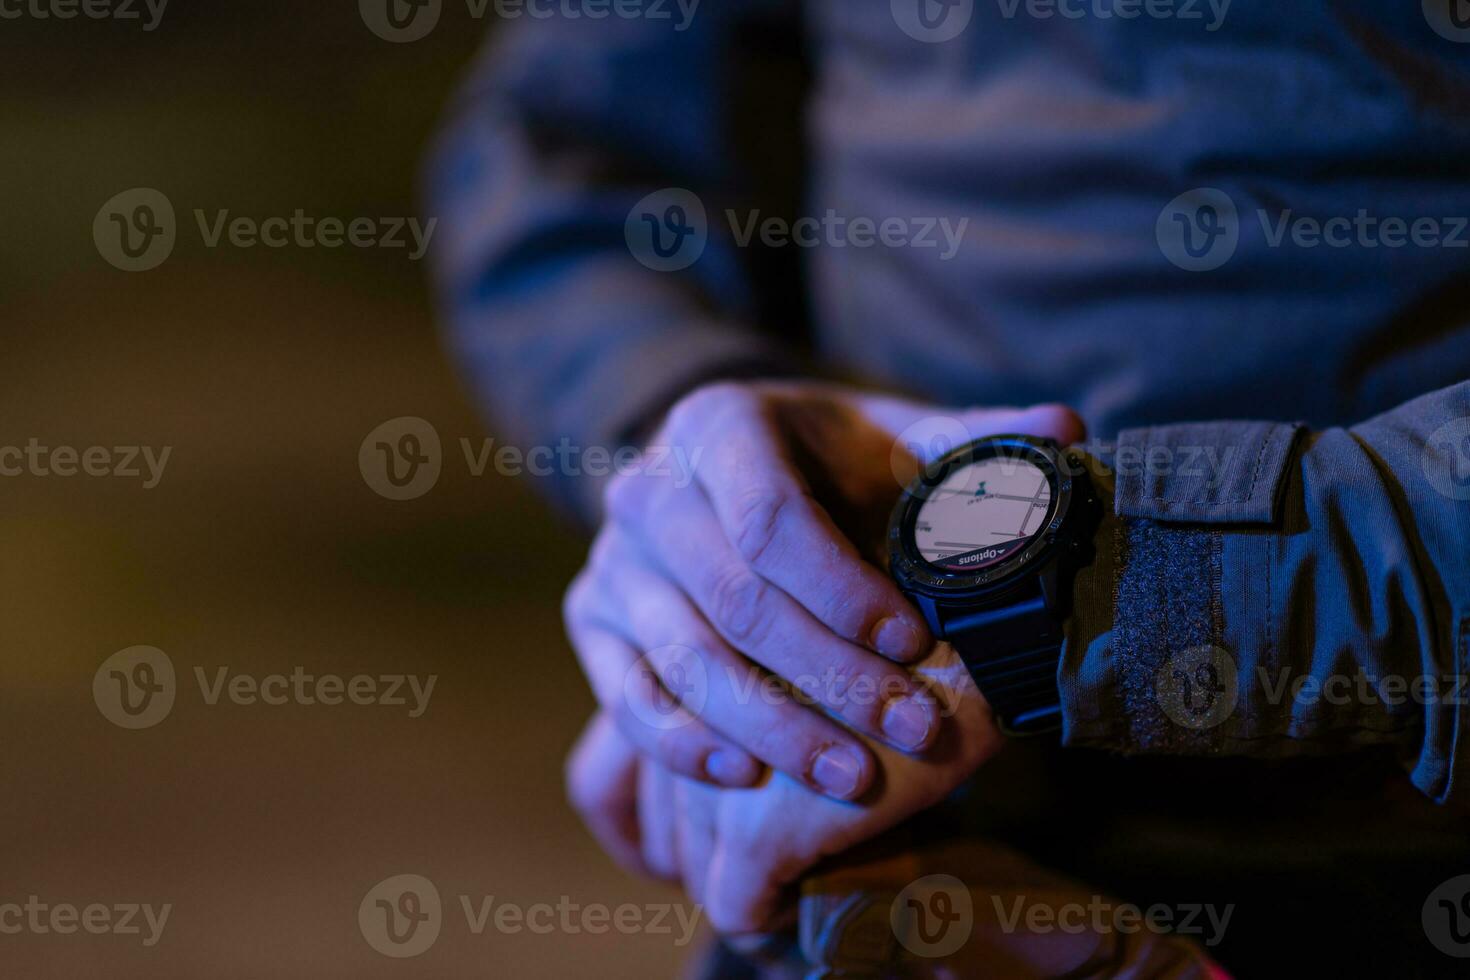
(1012,652)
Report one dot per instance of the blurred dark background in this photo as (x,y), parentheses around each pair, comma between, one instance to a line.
(263,548)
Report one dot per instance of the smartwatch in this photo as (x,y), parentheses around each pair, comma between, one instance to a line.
(986,542)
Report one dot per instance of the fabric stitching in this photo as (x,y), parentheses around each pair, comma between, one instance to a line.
(1250,494)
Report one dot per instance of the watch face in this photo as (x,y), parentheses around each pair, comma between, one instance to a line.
(982,513)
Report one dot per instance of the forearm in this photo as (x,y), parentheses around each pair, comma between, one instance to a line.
(1301,592)
(563,333)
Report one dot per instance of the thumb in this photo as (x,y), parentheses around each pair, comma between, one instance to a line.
(1051,421)
(924,435)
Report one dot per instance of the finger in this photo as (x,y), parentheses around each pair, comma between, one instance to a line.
(601,783)
(767,513)
(865,691)
(733,696)
(1047,421)
(695,803)
(660,728)
(629,691)
(656,821)
(746,878)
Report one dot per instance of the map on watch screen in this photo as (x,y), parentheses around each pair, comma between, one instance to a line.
(982,513)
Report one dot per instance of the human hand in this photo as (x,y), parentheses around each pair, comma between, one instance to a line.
(736,850)
(700,583)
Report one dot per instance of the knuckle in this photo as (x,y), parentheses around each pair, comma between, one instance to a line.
(789,743)
(622,498)
(848,612)
(738,605)
(853,694)
(583,793)
(759,516)
(604,549)
(576,603)
(696,409)
(728,918)
(682,750)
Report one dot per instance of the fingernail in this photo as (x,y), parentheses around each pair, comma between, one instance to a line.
(837,770)
(730,768)
(896,639)
(908,723)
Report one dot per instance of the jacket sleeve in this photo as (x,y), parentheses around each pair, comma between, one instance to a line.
(562,129)
(1265,590)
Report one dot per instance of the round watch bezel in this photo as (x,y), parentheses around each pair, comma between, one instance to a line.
(903,555)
